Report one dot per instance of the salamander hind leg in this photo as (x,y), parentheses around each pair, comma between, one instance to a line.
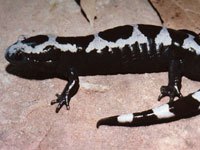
(174,85)
(69,91)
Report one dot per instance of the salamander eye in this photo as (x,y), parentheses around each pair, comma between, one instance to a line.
(19,56)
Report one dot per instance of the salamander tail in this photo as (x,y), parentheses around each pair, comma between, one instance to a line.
(184,107)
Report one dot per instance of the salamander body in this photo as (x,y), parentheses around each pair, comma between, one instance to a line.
(124,49)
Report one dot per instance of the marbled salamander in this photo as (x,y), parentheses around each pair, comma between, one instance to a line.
(123,49)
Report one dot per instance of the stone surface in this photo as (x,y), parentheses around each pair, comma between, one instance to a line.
(179,14)
(27,121)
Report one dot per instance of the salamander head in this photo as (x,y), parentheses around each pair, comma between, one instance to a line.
(36,49)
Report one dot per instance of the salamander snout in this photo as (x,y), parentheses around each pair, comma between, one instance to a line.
(14,55)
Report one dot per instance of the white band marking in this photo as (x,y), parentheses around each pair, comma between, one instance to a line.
(163,112)
(190,44)
(196,96)
(98,43)
(163,38)
(125,118)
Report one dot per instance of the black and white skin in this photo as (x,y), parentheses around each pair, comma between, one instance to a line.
(120,50)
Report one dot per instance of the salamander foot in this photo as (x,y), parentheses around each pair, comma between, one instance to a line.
(171,91)
(62,99)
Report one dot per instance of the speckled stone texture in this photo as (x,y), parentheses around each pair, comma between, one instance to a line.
(27,121)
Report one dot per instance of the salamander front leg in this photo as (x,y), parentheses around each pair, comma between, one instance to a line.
(174,86)
(69,91)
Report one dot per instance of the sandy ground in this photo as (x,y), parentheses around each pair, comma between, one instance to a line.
(28,121)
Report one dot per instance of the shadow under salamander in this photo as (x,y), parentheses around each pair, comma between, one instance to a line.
(29,73)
